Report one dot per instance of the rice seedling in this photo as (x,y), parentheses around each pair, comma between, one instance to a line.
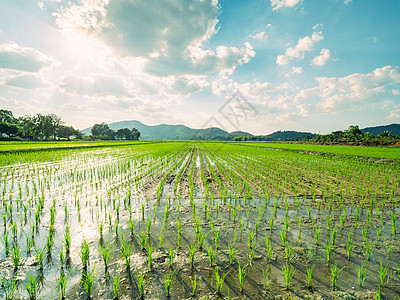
(67,240)
(394,225)
(309,276)
(369,247)
(192,250)
(288,273)
(231,253)
(362,273)
(88,281)
(317,234)
(171,256)
(379,230)
(289,254)
(334,275)
(179,234)
(194,284)
(84,254)
(242,275)
(328,251)
(168,279)
(39,257)
(10,288)
(16,256)
(104,250)
(211,256)
(333,236)
(266,279)
(140,282)
(62,284)
(216,238)
(142,239)
(200,239)
(31,286)
(349,245)
(6,243)
(115,284)
(383,275)
(29,243)
(283,236)
(125,250)
(219,280)
(150,255)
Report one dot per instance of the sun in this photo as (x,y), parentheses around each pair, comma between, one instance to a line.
(83,48)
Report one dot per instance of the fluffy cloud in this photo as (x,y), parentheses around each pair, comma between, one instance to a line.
(394,115)
(304,45)
(169,34)
(96,85)
(27,81)
(278,4)
(257,90)
(322,58)
(295,70)
(396,92)
(258,36)
(19,58)
(351,92)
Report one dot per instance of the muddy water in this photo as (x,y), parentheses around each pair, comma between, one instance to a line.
(235,219)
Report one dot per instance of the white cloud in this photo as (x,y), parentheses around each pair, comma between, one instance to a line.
(170,35)
(19,58)
(256,90)
(278,4)
(26,81)
(355,91)
(259,36)
(316,26)
(394,115)
(396,92)
(304,45)
(282,60)
(322,58)
(347,2)
(295,70)
(95,85)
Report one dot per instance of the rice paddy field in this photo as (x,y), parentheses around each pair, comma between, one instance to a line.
(193,220)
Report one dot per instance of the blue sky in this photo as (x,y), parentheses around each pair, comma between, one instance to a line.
(257,65)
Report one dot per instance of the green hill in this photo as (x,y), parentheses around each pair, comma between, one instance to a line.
(174,132)
(394,129)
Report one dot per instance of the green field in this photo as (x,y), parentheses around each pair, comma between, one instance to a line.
(181,220)
(32,146)
(378,152)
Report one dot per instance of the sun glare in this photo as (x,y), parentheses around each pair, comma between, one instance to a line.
(83,48)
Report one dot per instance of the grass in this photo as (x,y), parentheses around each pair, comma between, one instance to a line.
(219,279)
(288,273)
(140,282)
(168,279)
(55,199)
(242,275)
(31,286)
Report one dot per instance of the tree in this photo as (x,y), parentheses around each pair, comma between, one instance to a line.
(65,132)
(123,133)
(9,129)
(237,138)
(28,128)
(102,131)
(6,116)
(135,134)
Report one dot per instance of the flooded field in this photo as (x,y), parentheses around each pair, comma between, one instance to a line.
(198,220)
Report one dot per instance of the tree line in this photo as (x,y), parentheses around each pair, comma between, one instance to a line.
(50,127)
(354,136)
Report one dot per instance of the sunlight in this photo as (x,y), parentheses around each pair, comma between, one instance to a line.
(82,47)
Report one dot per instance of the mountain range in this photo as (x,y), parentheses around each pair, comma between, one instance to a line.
(182,132)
